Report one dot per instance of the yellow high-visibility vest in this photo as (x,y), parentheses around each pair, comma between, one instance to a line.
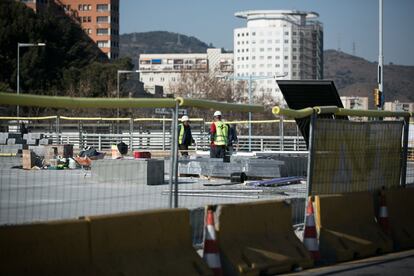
(222,133)
(181,134)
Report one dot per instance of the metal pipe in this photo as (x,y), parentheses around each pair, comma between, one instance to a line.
(250,113)
(240,191)
(404,153)
(221,196)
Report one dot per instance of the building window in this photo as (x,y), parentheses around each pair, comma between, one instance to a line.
(253,33)
(88,31)
(262,41)
(277,57)
(103,43)
(286,33)
(102,7)
(102,31)
(285,65)
(286,57)
(294,57)
(253,41)
(262,57)
(277,49)
(293,33)
(269,49)
(261,49)
(277,41)
(286,41)
(269,57)
(269,41)
(102,19)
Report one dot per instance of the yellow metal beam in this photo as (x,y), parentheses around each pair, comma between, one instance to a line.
(296,114)
(207,104)
(71,102)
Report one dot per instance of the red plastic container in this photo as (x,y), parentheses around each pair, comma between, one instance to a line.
(142,154)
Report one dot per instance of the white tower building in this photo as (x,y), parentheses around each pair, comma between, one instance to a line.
(285,43)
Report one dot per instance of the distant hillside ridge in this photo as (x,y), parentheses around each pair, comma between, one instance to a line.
(159,42)
(355,76)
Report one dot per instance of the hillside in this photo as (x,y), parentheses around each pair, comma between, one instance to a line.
(355,76)
(159,42)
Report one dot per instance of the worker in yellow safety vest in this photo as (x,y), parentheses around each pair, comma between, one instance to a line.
(185,138)
(218,136)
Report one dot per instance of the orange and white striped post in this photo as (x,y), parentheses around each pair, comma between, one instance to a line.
(211,250)
(310,236)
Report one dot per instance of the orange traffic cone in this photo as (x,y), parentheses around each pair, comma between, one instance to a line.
(310,238)
(211,250)
(383,215)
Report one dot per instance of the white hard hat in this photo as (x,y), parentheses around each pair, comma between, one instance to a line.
(185,118)
(217,113)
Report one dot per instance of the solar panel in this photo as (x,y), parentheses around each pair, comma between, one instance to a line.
(300,94)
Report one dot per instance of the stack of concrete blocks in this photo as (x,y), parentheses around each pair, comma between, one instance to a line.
(254,167)
(32,139)
(129,171)
(11,143)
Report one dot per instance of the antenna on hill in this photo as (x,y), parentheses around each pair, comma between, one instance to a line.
(353,48)
(339,42)
(179,40)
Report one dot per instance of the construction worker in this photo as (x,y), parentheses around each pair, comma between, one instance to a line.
(233,141)
(185,138)
(218,137)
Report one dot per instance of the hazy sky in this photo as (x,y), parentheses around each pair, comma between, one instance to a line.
(346,22)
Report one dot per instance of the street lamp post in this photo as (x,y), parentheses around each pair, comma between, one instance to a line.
(381,57)
(18,65)
(119,72)
(250,79)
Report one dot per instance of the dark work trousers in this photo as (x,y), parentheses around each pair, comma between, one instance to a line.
(217,151)
(183,147)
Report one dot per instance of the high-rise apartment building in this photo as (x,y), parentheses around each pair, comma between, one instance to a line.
(284,43)
(98,18)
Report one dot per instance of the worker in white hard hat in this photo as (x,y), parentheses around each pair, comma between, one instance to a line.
(218,136)
(185,138)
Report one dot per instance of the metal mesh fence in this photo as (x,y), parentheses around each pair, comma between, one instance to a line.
(347,156)
(350,156)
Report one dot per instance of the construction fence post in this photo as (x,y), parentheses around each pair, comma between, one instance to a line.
(404,153)
(176,157)
(163,132)
(131,132)
(172,159)
(281,134)
(311,157)
(58,129)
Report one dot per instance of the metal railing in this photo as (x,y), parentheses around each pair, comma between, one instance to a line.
(162,141)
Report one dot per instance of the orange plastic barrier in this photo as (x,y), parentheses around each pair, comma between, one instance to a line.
(400,205)
(53,248)
(258,238)
(347,227)
(145,243)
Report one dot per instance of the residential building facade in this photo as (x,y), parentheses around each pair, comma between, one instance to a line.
(278,44)
(399,106)
(98,18)
(354,102)
(166,69)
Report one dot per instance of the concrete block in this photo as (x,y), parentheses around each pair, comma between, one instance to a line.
(45,141)
(129,171)
(39,150)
